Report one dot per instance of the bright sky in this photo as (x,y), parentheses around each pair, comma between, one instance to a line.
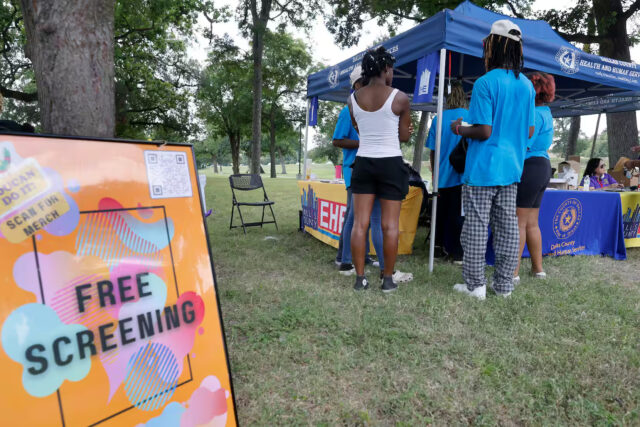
(326,51)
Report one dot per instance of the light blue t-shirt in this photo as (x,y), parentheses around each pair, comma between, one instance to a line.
(448,177)
(345,130)
(543,135)
(505,103)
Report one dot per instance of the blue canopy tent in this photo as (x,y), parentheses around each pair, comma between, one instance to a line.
(581,78)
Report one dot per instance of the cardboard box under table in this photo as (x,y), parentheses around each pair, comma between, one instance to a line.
(324,205)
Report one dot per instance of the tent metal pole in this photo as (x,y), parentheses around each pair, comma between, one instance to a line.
(436,163)
(306,140)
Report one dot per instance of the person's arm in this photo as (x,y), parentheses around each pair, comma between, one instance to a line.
(402,108)
(353,120)
(346,143)
(614,183)
(477,132)
(630,164)
(532,111)
(480,114)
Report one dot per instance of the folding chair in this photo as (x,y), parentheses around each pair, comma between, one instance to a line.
(248,182)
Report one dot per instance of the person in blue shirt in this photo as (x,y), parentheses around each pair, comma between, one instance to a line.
(449,210)
(501,115)
(535,175)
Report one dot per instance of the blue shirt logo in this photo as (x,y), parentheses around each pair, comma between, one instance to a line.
(567,218)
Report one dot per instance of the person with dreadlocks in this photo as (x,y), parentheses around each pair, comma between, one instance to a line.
(535,175)
(382,118)
(449,214)
(501,115)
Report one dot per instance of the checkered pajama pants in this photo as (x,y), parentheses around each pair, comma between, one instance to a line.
(495,206)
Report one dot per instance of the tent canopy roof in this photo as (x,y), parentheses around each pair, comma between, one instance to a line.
(581,78)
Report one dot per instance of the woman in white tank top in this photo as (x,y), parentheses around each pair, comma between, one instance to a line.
(381,116)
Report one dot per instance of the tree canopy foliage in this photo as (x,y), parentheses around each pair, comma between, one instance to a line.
(155,80)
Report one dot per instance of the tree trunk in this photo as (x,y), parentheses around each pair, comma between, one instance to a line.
(282,163)
(259,27)
(214,160)
(234,141)
(272,140)
(70,43)
(572,142)
(419,144)
(622,128)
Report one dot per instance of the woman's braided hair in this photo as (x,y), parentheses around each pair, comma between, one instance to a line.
(375,62)
(503,52)
(457,97)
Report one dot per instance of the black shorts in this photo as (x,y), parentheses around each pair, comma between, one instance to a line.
(535,178)
(386,177)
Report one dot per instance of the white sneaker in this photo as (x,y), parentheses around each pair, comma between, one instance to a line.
(501,294)
(479,292)
(400,277)
(542,275)
(375,263)
(516,281)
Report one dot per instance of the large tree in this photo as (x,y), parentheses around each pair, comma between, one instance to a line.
(285,66)
(255,16)
(70,43)
(224,95)
(611,18)
(154,80)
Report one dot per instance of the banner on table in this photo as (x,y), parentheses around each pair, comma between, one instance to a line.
(109,309)
(581,223)
(324,205)
(631,218)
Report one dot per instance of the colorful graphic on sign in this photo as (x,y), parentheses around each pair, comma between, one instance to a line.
(631,218)
(109,302)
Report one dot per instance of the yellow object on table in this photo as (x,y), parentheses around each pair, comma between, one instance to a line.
(324,205)
(631,218)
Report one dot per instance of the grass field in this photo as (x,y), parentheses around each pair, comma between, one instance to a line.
(306,350)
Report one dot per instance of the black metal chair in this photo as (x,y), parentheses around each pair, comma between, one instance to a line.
(249,182)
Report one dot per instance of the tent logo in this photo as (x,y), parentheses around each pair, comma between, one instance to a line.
(568,60)
(333,77)
(423,89)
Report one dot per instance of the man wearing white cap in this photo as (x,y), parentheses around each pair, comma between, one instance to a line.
(501,114)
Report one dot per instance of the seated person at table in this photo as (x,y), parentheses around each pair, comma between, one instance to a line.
(596,176)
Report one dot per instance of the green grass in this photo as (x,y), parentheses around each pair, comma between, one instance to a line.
(306,350)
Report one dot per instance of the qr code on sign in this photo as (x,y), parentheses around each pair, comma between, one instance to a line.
(168,174)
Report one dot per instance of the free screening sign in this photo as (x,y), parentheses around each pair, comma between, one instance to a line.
(109,312)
